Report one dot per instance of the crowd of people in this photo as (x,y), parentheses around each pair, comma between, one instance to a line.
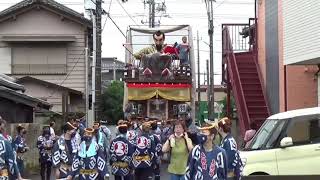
(136,152)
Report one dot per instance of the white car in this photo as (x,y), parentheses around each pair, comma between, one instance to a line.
(287,143)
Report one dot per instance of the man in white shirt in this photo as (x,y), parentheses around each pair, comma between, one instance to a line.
(52,133)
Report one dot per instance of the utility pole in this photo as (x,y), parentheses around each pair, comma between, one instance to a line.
(87,84)
(199,97)
(98,60)
(151,13)
(208,77)
(209,6)
(114,69)
(93,71)
(154,8)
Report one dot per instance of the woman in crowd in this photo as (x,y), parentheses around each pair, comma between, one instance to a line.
(20,146)
(249,134)
(207,161)
(229,144)
(178,146)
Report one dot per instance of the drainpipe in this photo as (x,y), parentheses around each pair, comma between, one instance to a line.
(285,89)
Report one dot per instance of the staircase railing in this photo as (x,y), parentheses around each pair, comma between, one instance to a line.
(230,61)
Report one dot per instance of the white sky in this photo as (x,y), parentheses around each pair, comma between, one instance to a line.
(191,12)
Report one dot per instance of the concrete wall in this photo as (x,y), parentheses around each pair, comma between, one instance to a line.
(32,156)
(43,22)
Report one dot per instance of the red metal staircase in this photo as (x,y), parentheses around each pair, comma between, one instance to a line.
(243,77)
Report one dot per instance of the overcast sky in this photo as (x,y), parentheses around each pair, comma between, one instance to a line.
(191,12)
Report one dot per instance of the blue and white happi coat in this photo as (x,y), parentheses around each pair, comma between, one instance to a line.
(132,136)
(121,151)
(158,147)
(204,165)
(7,159)
(45,146)
(234,162)
(90,163)
(19,145)
(63,156)
(144,154)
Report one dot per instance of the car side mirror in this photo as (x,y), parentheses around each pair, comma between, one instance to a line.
(286,142)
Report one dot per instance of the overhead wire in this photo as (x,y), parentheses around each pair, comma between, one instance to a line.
(68,74)
(104,24)
(127,13)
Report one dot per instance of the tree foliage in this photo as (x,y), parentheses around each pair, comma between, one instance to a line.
(224,109)
(111,104)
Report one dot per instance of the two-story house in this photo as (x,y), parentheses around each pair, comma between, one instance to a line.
(43,43)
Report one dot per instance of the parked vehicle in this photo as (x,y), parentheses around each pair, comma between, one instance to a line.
(287,143)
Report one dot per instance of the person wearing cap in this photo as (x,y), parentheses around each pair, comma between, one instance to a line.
(89,162)
(8,166)
(121,151)
(64,151)
(45,144)
(20,146)
(144,154)
(229,144)
(207,160)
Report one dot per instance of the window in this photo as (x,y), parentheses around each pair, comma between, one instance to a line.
(39,58)
(304,130)
(263,134)
(275,135)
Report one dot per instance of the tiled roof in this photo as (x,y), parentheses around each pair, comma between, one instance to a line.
(47,3)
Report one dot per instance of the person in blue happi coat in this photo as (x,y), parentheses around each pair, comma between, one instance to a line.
(20,146)
(144,154)
(8,166)
(89,163)
(45,144)
(229,144)
(64,151)
(207,161)
(121,151)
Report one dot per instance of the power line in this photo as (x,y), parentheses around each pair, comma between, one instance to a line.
(127,13)
(219,4)
(60,85)
(104,24)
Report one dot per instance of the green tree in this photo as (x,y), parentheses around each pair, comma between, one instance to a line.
(111,104)
(224,109)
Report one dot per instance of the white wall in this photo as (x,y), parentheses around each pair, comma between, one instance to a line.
(5,60)
(301,31)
